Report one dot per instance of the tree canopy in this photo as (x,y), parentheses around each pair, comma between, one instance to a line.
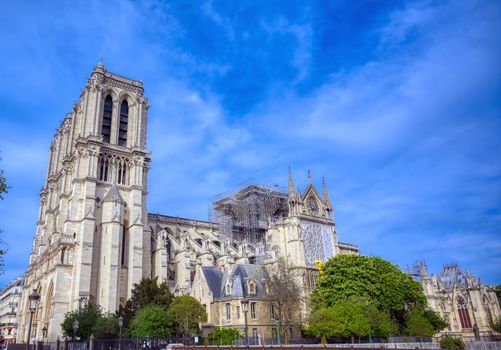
(146,292)
(349,318)
(375,288)
(188,314)
(152,320)
(106,327)
(87,318)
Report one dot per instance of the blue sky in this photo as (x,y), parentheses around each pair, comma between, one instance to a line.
(396,103)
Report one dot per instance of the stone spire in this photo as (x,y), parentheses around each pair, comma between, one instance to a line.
(293,197)
(291,181)
(310,181)
(100,66)
(326,193)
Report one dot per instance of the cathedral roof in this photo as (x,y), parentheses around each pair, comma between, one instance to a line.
(452,275)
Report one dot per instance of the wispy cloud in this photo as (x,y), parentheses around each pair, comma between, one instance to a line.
(399,109)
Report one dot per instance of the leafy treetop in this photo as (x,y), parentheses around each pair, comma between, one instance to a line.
(376,280)
(147,292)
(152,320)
(188,314)
(87,318)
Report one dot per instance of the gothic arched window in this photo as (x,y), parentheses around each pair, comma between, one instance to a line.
(124,120)
(103,169)
(107,113)
(464,316)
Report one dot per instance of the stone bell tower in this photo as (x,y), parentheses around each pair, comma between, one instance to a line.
(92,242)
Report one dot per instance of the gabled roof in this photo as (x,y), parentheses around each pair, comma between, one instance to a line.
(113,195)
(217,280)
(239,277)
(213,276)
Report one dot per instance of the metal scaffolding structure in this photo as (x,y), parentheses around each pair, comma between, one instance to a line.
(246,213)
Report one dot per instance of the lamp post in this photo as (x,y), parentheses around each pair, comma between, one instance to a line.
(75,329)
(44,334)
(245,309)
(276,318)
(33,300)
(120,325)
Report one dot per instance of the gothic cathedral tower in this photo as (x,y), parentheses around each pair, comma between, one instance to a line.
(92,242)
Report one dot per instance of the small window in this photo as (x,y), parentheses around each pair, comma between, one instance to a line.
(253,310)
(228,289)
(252,287)
(62,255)
(228,311)
(238,312)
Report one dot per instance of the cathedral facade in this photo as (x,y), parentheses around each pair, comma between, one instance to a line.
(461,299)
(95,238)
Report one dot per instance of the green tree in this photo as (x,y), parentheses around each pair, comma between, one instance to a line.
(437,322)
(373,278)
(106,327)
(382,284)
(224,336)
(353,317)
(87,318)
(418,325)
(188,314)
(147,292)
(151,320)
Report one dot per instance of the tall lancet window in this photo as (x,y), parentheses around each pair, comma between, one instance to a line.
(124,120)
(107,112)
(464,316)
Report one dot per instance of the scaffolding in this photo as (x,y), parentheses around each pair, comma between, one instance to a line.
(246,213)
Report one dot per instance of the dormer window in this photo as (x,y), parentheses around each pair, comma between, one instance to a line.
(228,288)
(252,287)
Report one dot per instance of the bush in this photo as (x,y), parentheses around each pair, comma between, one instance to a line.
(451,343)
(224,336)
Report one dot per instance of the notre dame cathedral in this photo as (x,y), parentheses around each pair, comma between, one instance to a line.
(95,238)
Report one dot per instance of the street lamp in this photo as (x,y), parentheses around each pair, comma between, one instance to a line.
(276,318)
(75,329)
(33,300)
(44,334)
(245,309)
(120,325)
